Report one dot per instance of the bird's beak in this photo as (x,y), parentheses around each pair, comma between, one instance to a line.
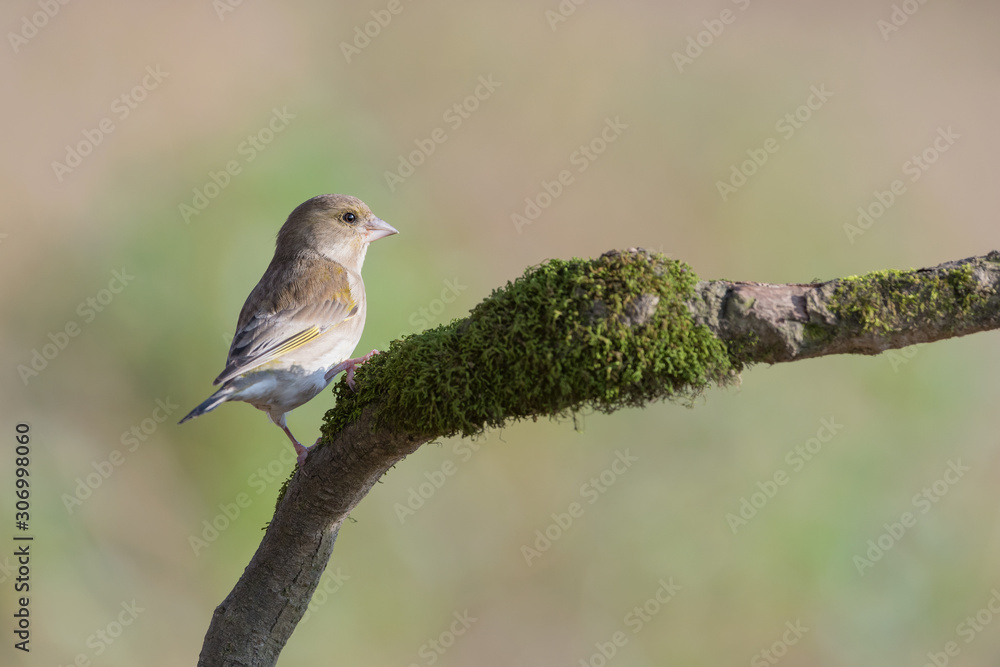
(377,228)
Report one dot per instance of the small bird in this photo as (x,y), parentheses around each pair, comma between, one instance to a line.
(301,323)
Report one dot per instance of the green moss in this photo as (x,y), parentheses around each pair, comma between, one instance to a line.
(566,335)
(816,333)
(893,300)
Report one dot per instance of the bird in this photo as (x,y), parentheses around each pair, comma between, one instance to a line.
(303,320)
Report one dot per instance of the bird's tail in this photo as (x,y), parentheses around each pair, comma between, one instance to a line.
(210,403)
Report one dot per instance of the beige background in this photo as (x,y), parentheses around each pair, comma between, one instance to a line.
(164,336)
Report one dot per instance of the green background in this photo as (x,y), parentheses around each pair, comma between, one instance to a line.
(165,335)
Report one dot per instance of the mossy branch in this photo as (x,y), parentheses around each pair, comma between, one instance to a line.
(619,331)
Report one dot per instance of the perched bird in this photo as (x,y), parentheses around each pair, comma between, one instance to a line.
(301,323)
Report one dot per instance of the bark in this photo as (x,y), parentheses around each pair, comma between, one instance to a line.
(758,322)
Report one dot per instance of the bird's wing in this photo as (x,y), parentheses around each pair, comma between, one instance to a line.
(287,311)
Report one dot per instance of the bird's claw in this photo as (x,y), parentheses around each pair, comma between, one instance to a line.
(301,452)
(349,366)
(354,363)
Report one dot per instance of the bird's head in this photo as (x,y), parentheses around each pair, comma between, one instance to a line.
(339,227)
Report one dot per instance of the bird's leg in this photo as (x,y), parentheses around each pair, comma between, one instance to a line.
(301,450)
(349,366)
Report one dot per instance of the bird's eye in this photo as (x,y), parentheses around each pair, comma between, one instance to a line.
(348,217)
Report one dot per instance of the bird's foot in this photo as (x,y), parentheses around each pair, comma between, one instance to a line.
(354,363)
(301,452)
(350,365)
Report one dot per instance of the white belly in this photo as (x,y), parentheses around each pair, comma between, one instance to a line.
(278,391)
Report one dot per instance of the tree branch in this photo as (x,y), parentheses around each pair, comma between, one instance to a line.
(619,331)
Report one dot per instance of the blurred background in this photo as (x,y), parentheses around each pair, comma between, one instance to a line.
(153,150)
